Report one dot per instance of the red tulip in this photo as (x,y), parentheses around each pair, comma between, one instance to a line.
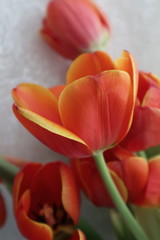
(73,27)
(92,112)
(145,130)
(129,172)
(46,201)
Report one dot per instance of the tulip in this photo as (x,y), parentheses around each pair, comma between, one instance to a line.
(92,112)
(128,171)
(145,131)
(46,202)
(73,27)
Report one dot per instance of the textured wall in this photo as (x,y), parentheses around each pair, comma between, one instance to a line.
(24,57)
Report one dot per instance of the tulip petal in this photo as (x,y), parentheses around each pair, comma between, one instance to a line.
(134,173)
(152,98)
(98,109)
(37,99)
(91,182)
(78,235)
(151,197)
(104,20)
(30,229)
(127,63)
(57,90)
(70,191)
(62,47)
(51,134)
(89,64)
(145,131)
(23,181)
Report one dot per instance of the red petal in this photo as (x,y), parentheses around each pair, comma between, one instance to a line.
(23,181)
(145,131)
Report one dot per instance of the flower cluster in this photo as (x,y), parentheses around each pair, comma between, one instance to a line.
(104,118)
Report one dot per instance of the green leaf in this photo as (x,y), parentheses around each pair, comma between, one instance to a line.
(149,219)
(121,229)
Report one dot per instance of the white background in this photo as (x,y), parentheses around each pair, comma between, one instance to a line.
(24,57)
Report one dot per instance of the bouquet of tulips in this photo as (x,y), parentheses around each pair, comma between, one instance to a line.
(105,118)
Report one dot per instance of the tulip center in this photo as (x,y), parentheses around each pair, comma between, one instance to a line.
(57,219)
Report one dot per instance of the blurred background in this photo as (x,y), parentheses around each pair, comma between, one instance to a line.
(25,57)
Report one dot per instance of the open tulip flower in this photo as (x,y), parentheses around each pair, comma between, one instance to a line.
(145,131)
(46,202)
(92,112)
(73,27)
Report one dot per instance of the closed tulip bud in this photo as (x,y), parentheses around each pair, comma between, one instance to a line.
(73,27)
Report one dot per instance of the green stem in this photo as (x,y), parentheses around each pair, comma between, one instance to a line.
(142,154)
(90,233)
(7,171)
(117,199)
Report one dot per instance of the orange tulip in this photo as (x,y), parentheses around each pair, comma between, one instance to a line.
(46,202)
(73,27)
(145,131)
(129,173)
(91,113)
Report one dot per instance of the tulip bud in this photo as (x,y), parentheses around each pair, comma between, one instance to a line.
(73,27)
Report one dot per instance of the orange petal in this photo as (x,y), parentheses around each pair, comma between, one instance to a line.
(57,90)
(37,99)
(151,197)
(127,63)
(78,235)
(30,229)
(98,109)
(134,175)
(51,134)
(89,64)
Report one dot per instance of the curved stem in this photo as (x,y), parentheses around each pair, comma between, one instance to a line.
(117,199)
